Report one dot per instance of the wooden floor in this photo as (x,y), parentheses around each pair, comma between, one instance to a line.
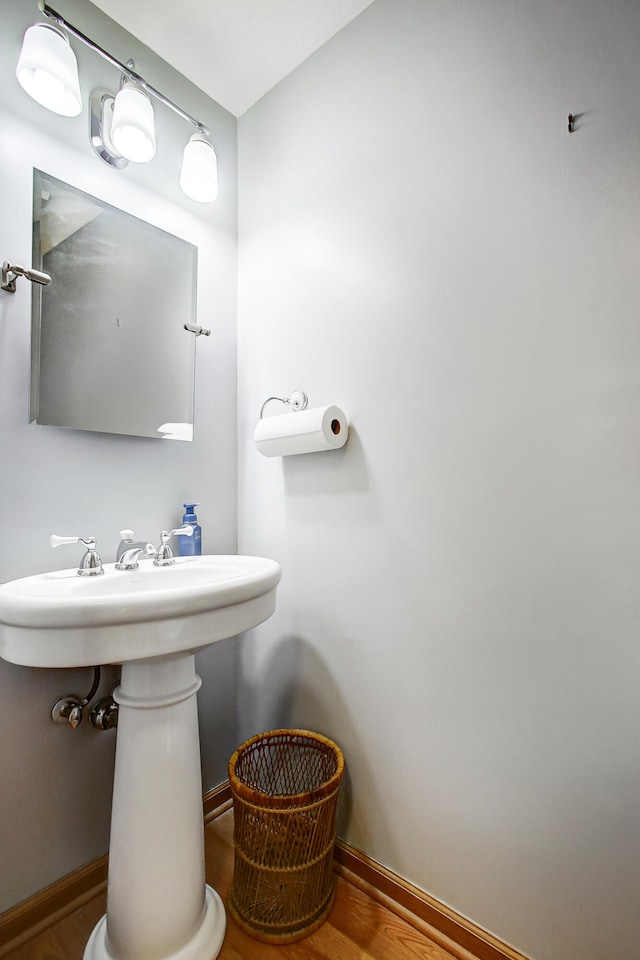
(357,929)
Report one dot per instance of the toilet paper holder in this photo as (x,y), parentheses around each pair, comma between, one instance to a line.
(297,401)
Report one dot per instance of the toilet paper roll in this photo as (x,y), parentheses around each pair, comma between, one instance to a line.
(307,431)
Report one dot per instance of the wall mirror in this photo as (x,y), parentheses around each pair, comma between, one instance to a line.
(109,351)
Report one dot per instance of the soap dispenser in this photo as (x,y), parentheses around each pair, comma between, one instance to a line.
(190,546)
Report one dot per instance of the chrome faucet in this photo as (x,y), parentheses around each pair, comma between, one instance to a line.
(164,554)
(130,551)
(91,564)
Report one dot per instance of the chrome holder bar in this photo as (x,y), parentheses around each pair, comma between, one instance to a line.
(129,72)
(297,401)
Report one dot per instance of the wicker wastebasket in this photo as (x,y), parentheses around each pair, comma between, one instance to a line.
(285,787)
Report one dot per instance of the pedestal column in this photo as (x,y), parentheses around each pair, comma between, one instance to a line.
(157,904)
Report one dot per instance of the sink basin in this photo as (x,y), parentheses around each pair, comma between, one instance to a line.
(62,620)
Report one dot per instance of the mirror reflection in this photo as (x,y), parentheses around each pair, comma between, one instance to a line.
(109,349)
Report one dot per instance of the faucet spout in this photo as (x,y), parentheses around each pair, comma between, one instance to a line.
(130,551)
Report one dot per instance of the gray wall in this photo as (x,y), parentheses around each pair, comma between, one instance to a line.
(423,243)
(55,788)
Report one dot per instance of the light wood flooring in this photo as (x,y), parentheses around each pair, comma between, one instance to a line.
(358,928)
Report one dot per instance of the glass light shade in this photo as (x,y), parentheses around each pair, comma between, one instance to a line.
(199,174)
(133,131)
(48,70)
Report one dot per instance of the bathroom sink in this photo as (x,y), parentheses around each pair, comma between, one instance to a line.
(61,620)
(152,621)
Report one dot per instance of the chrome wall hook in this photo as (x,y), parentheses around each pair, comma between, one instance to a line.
(199,331)
(11,272)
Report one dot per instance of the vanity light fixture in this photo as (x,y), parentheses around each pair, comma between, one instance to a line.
(48,70)
(133,132)
(199,174)
(122,127)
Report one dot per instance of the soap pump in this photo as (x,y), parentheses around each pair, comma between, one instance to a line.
(190,546)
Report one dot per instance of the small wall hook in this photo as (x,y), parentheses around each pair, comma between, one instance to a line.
(570,123)
(11,272)
(199,331)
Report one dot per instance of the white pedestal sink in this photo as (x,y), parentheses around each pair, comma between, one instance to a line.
(150,620)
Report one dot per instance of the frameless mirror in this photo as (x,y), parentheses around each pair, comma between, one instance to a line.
(109,351)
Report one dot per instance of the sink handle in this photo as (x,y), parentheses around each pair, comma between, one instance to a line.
(164,555)
(89,542)
(91,564)
(186,530)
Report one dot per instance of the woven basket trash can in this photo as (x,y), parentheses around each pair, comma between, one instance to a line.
(285,787)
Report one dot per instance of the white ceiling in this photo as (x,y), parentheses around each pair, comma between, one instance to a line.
(234,50)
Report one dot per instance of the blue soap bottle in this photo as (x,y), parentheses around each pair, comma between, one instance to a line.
(190,546)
